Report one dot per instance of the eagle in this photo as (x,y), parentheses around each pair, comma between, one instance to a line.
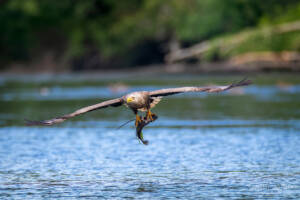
(142,101)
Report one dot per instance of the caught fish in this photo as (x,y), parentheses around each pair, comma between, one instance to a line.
(144,122)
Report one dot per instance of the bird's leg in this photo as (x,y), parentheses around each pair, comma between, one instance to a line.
(149,115)
(137,120)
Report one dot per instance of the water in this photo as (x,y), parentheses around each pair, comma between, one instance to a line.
(243,144)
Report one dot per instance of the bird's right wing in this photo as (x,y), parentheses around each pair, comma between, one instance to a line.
(210,89)
(112,102)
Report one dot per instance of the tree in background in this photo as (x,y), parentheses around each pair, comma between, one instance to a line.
(104,33)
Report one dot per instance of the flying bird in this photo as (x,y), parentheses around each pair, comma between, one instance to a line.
(142,101)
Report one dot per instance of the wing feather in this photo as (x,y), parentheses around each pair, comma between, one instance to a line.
(210,89)
(113,102)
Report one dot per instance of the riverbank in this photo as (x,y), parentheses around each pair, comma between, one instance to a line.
(245,63)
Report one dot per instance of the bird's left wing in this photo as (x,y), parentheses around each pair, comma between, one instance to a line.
(112,102)
(171,91)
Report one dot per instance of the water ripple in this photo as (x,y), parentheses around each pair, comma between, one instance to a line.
(74,162)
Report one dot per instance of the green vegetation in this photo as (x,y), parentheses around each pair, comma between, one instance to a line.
(104,33)
(266,39)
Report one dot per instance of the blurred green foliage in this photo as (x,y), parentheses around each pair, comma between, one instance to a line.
(130,32)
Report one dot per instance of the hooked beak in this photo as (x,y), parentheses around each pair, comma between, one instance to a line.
(129,99)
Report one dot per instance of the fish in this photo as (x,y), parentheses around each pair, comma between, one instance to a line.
(139,129)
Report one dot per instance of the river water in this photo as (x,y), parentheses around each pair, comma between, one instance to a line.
(241,144)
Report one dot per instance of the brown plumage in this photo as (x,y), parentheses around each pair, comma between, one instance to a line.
(140,101)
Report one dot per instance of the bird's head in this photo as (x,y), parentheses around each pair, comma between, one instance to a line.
(130,99)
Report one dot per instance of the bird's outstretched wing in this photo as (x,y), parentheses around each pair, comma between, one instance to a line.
(171,91)
(113,103)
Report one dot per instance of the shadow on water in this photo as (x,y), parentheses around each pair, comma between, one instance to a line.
(239,144)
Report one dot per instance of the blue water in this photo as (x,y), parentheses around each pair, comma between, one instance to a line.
(206,148)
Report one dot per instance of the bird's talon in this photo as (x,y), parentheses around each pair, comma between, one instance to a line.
(137,120)
(149,116)
(137,123)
